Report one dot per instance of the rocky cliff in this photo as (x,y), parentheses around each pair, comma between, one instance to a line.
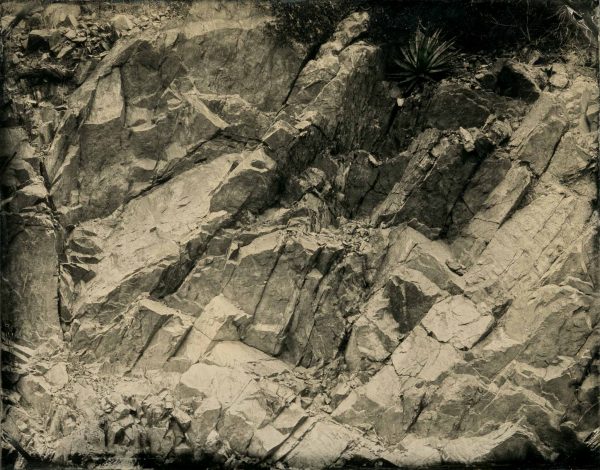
(221,248)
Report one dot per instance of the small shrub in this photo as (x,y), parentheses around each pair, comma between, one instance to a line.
(579,22)
(427,58)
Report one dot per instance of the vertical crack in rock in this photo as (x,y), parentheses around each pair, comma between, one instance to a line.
(311,54)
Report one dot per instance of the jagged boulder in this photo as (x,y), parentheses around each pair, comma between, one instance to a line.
(430,184)
(493,212)
(519,80)
(453,106)
(121,23)
(60,14)
(540,132)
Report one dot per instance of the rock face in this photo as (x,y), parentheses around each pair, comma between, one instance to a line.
(230,252)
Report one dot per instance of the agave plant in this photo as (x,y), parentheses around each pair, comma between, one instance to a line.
(426,58)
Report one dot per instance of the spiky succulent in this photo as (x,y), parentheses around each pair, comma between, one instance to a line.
(426,58)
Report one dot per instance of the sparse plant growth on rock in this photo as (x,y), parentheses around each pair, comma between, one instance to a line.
(578,21)
(426,58)
(309,22)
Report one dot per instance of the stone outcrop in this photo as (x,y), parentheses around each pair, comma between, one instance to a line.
(234,251)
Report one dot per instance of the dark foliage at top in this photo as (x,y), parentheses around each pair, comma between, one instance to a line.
(476,24)
(310,21)
(492,27)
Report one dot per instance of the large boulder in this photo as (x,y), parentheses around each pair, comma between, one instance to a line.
(457,321)
(536,139)
(496,209)
(432,181)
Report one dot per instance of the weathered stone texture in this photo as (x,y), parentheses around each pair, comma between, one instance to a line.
(228,252)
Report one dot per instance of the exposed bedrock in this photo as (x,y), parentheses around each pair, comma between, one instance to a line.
(229,251)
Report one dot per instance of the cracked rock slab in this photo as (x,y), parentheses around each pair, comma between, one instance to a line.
(457,321)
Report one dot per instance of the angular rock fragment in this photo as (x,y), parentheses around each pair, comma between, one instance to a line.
(536,139)
(247,186)
(122,23)
(42,39)
(520,81)
(267,439)
(276,305)
(151,331)
(456,321)
(58,14)
(58,375)
(426,192)
(219,321)
(321,446)
(374,335)
(206,380)
(36,392)
(493,213)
